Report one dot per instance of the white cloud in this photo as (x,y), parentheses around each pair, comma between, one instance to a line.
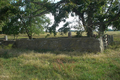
(69,19)
(54,1)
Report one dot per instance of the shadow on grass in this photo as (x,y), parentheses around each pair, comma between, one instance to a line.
(115,45)
(5,54)
(14,52)
(64,52)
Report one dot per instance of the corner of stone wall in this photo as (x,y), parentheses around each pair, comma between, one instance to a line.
(101,44)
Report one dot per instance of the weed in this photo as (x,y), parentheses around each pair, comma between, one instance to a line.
(6,55)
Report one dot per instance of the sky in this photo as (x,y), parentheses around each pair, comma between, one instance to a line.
(56,0)
(69,19)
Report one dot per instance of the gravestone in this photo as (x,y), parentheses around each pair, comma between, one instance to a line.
(6,38)
(69,35)
(107,40)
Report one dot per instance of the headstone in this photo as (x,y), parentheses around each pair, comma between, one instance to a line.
(6,38)
(69,35)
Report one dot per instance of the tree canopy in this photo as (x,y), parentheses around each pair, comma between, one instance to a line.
(29,15)
(92,13)
(6,10)
(29,19)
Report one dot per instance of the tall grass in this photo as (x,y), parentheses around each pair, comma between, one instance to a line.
(19,64)
(30,65)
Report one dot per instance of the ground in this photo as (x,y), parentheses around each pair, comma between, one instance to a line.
(21,64)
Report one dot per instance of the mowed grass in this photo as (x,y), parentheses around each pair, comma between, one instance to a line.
(19,64)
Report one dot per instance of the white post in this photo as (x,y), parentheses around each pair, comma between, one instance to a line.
(6,38)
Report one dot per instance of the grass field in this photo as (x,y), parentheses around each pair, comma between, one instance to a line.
(40,35)
(17,64)
(52,35)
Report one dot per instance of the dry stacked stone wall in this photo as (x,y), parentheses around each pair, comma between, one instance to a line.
(63,44)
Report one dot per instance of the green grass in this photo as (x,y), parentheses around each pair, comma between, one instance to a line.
(40,35)
(34,36)
(19,64)
(52,35)
(30,65)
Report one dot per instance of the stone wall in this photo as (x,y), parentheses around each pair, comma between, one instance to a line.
(107,40)
(6,42)
(63,44)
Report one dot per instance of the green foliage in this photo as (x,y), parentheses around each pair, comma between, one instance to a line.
(92,13)
(6,55)
(79,33)
(12,27)
(116,24)
(9,46)
(27,18)
(6,10)
(32,22)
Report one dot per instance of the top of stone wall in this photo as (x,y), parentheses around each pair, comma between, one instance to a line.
(83,38)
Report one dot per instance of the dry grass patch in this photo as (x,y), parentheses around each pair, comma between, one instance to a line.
(30,65)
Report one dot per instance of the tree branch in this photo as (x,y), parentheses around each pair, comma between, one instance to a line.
(112,19)
(38,3)
(40,13)
(109,7)
(37,10)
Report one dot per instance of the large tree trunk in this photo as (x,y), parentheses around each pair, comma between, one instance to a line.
(101,30)
(28,33)
(89,27)
(87,23)
(30,36)
(89,32)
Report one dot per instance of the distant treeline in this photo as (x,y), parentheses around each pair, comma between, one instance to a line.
(112,30)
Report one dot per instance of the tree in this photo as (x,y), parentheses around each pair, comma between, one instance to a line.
(6,10)
(33,18)
(116,23)
(29,19)
(34,25)
(9,17)
(12,26)
(92,13)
